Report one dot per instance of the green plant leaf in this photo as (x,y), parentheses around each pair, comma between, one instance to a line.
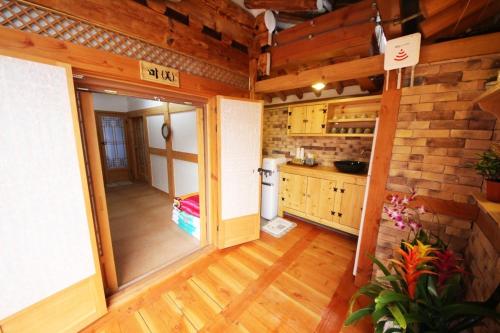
(469,309)
(389,296)
(357,315)
(386,272)
(398,316)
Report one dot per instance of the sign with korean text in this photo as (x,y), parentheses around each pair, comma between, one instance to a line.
(159,74)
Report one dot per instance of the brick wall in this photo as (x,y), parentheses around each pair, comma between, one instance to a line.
(327,149)
(439,133)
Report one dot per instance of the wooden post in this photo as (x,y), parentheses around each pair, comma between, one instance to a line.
(380,171)
(252,77)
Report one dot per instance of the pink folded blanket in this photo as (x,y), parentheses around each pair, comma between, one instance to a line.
(191,205)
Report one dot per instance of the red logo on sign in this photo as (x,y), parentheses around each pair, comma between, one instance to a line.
(401,55)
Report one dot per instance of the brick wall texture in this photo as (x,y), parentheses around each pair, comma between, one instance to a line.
(439,133)
(326,149)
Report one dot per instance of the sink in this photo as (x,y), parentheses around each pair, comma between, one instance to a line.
(348,166)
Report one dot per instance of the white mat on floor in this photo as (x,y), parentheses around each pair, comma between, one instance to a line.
(278,227)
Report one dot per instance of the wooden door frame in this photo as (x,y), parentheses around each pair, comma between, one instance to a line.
(95,84)
(123,115)
(94,155)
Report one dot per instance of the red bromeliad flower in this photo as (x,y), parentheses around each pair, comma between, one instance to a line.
(412,264)
(446,265)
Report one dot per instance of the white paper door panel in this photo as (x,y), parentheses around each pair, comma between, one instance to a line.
(240,131)
(185,177)
(184,132)
(155,138)
(159,172)
(44,237)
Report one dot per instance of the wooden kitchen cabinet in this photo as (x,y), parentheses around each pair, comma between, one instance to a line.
(293,193)
(323,195)
(307,119)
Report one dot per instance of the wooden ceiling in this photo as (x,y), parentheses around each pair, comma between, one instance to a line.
(347,32)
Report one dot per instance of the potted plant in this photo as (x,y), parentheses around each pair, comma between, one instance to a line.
(422,289)
(489,166)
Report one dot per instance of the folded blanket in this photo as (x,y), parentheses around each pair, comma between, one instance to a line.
(190,205)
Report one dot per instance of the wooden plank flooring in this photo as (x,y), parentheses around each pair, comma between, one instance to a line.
(299,283)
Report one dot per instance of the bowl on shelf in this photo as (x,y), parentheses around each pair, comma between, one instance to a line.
(348,166)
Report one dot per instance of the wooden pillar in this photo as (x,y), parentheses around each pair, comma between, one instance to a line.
(252,77)
(380,171)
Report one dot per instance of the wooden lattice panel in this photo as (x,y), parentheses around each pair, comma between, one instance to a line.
(27,17)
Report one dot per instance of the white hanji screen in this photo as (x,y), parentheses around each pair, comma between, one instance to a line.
(45,245)
(240,156)
(185,140)
(159,166)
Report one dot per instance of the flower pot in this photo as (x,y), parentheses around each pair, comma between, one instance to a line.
(493,190)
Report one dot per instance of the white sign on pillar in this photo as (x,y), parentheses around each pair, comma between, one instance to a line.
(402,52)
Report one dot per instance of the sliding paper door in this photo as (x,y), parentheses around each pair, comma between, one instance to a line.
(240,153)
(51,280)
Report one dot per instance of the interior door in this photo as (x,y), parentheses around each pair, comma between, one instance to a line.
(51,279)
(139,149)
(112,133)
(239,147)
(296,120)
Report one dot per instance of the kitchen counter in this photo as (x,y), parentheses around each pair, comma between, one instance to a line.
(324,172)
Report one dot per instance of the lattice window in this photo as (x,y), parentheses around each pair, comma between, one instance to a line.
(24,16)
(113,132)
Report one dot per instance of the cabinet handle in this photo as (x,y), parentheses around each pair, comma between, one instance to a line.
(323,125)
(335,189)
(332,212)
(324,110)
(339,214)
(289,126)
(289,113)
(283,178)
(282,199)
(342,190)
(305,120)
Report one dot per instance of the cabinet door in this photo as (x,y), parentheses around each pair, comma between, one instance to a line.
(320,198)
(284,190)
(296,119)
(315,119)
(350,204)
(295,196)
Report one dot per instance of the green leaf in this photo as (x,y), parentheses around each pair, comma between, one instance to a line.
(391,278)
(469,309)
(357,315)
(398,316)
(389,296)
(431,287)
(386,272)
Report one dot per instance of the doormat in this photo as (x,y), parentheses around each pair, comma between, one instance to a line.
(278,227)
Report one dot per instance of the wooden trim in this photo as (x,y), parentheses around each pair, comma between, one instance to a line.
(179,155)
(384,141)
(213,169)
(170,160)
(370,66)
(354,99)
(200,159)
(97,63)
(157,151)
(155,110)
(95,168)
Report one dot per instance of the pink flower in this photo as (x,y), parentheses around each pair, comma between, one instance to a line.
(400,225)
(414,225)
(421,210)
(406,200)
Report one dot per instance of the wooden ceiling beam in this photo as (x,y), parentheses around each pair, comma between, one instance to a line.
(281,95)
(432,7)
(374,65)
(357,13)
(451,16)
(390,10)
(323,46)
(283,5)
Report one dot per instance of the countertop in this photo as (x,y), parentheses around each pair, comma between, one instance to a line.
(321,169)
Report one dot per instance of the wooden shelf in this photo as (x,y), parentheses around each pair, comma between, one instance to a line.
(489,101)
(350,135)
(353,120)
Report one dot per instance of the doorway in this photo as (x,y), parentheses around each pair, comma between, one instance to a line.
(146,183)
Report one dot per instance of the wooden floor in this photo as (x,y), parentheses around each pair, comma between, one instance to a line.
(299,283)
(143,234)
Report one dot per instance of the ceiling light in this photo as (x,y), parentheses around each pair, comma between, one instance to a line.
(318,86)
(112,92)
